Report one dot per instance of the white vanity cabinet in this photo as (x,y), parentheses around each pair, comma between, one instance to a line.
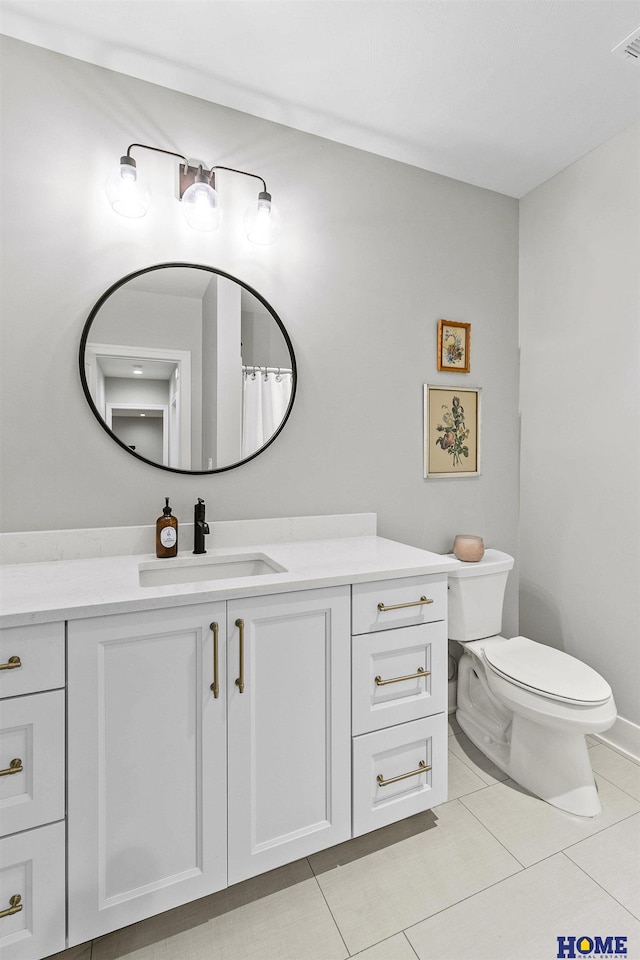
(175,792)
(32,791)
(214,730)
(399,699)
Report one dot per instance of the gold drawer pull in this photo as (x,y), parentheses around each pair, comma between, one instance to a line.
(14,767)
(422,768)
(240,680)
(215,686)
(421,672)
(11,664)
(14,906)
(400,606)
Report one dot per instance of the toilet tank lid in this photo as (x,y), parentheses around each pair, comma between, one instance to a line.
(493,561)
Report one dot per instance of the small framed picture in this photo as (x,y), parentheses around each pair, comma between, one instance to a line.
(454,342)
(451,431)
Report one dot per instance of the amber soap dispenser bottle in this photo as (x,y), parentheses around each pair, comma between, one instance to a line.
(166,533)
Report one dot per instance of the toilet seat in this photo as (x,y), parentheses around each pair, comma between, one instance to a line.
(546,671)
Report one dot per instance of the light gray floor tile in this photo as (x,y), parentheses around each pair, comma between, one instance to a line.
(531,829)
(462,779)
(381,883)
(624,773)
(612,858)
(472,757)
(81,952)
(294,924)
(396,948)
(521,917)
(280,915)
(192,943)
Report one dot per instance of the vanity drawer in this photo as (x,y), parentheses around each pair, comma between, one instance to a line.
(32,744)
(387,604)
(388,780)
(32,867)
(387,687)
(31,658)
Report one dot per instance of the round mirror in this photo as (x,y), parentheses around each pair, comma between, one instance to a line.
(187,368)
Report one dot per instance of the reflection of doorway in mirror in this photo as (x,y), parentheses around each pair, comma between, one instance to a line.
(143,380)
(145,430)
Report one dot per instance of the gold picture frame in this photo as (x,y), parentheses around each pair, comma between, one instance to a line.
(451,431)
(454,346)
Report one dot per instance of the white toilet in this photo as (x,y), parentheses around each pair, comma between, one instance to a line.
(527,706)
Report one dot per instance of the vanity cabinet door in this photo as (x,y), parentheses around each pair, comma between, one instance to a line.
(147,765)
(289,727)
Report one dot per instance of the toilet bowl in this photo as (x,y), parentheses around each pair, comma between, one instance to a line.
(525,705)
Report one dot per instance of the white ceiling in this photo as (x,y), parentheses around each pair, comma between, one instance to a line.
(498,93)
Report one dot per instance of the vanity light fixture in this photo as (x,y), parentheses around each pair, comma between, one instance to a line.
(129,195)
(137,370)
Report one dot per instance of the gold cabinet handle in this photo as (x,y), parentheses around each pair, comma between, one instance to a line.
(14,906)
(421,672)
(240,680)
(215,686)
(14,767)
(422,768)
(11,664)
(400,606)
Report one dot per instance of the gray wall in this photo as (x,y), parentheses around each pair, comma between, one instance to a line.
(580,397)
(372,254)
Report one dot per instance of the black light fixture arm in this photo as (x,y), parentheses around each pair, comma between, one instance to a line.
(169,153)
(244,174)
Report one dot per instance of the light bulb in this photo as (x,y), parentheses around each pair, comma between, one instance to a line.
(262,220)
(127,191)
(201,204)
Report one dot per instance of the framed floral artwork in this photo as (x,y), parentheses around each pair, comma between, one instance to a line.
(451,431)
(454,342)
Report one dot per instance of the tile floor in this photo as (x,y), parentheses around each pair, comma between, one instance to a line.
(493,873)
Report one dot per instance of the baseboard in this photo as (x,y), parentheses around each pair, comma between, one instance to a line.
(623,736)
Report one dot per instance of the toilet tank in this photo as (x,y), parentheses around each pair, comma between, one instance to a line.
(476,595)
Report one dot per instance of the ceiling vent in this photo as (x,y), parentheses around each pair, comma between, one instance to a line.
(630,46)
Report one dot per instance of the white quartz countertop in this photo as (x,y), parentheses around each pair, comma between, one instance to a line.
(72,589)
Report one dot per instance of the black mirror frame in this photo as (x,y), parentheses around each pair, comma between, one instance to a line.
(220,273)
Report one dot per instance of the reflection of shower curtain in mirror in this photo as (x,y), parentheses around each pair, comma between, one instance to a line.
(264,404)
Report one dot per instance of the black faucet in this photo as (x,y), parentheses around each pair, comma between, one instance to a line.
(200,527)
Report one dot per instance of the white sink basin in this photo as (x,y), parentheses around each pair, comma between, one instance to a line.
(160,573)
